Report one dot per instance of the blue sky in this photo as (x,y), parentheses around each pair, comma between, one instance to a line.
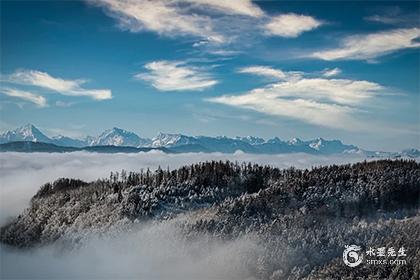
(346,70)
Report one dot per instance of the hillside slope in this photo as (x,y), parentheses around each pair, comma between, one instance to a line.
(302,218)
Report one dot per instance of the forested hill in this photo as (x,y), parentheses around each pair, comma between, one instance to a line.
(303,218)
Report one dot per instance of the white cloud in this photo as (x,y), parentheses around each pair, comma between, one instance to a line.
(372,45)
(341,91)
(322,114)
(212,22)
(238,7)
(320,101)
(395,16)
(383,19)
(264,71)
(164,17)
(42,79)
(39,100)
(64,87)
(331,72)
(270,72)
(175,75)
(291,25)
(63,104)
(294,85)
(224,52)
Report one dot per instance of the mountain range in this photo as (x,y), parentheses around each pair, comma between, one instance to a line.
(117,137)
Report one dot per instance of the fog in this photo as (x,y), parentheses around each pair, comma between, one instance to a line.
(21,174)
(152,251)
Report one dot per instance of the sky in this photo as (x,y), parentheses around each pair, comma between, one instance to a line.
(338,70)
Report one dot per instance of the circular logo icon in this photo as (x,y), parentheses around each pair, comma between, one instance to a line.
(352,256)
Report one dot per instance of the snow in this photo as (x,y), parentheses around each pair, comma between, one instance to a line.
(172,140)
(248,144)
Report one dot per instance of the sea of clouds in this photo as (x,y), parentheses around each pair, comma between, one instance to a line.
(154,251)
(22,174)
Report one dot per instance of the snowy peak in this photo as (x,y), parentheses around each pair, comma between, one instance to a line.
(413,153)
(183,143)
(27,132)
(275,140)
(118,137)
(295,142)
(330,146)
(252,140)
(172,140)
(317,144)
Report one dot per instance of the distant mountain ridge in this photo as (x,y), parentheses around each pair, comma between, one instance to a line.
(32,147)
(117,137)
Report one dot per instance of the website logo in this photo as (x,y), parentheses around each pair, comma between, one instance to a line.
(352,255)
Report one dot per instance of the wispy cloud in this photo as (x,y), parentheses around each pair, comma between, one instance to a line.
(224,52)
(395,15)
(341,91)
(39,100)
(320,101)
(164,17)
(323,114)
(63,104)
(64,87)
(213,22)
(384,19)
(361,47)
(269,72)
(331,72)
(264,71)
(175,76)
(291,25)
(238,7)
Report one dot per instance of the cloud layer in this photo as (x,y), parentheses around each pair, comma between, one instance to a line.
(320,101)
(361,47)
(175,76)
(145,251)
(23,173)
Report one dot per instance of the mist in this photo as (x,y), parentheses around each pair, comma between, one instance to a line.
(148,250)
(22,174)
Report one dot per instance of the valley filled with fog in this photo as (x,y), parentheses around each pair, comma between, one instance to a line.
(23,173)
(141,253)
(107,242)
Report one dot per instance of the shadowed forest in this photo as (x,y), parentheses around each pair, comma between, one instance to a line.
(301,219)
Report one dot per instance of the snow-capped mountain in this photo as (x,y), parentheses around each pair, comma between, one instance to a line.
(65,141)
(110,137)
(330,146)
(413,153)
(172,140)
(27,132)
(295,142)
(224,144)
(183,143)
(251,140)
(118,137)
